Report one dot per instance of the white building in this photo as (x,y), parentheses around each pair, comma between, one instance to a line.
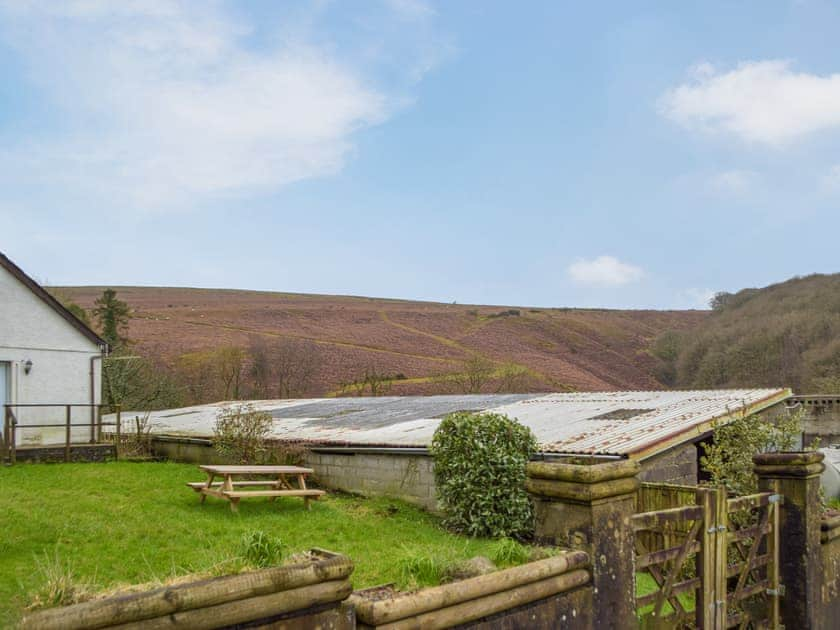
(47,355)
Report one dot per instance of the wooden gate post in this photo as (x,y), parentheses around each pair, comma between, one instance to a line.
(796,476)
(587,504)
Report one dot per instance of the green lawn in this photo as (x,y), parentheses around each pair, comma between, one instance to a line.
(122,523)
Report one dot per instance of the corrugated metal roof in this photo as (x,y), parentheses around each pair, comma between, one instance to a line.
(635,424)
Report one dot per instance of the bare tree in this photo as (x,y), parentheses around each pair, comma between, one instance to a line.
(296,362)
(229,363)
(261,370)
(477,372)
(512,379)
(212,374)
(372,382)
(474,375)
(286,367)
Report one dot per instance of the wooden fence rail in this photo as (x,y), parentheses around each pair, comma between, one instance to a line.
(716,554)
(12,425)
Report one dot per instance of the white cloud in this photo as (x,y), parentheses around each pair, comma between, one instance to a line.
(165,103)
(764,102)
(603,271)
(735,182)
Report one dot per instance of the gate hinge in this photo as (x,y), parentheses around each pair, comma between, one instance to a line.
(777,592)
(776,498)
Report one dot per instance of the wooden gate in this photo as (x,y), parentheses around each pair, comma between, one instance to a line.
(713,565)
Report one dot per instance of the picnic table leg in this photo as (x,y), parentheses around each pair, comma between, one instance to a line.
(302,486)
(208,485)
(227,486)
(280,485)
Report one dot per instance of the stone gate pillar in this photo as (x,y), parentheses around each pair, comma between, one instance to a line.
(796,476)
(587,504)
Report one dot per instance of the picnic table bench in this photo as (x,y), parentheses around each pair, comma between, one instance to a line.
(233,491)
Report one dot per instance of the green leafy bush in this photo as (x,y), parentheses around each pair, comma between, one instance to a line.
(480,474)
(728,459)
(240,433)
(260,549)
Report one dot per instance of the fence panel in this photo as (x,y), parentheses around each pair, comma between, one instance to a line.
(707,554)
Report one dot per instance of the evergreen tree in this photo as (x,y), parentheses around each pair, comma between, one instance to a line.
(113,315)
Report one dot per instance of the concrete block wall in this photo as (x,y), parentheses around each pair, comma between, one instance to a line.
(407,477)
(677,465)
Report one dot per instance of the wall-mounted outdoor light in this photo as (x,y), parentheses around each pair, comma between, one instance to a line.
(27,366)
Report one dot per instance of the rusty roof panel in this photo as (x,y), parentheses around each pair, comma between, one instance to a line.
(630,423)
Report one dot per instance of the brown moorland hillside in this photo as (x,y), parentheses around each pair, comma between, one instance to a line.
(560,349)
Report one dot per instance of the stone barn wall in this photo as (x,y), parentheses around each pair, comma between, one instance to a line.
(676,465)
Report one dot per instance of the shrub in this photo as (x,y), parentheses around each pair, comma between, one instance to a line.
(284,454)
(480,474)
(260,549)
(728,459)
(240,433)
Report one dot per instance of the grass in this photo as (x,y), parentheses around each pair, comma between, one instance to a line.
(103,525)
(645,585)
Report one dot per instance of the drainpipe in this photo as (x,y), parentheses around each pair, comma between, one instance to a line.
(103,352)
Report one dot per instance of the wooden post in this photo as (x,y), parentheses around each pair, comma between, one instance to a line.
(67,430)
(772,550)
(12,436)
(99,424)
(721,561)
(117,434)
(704,606)
(5,434)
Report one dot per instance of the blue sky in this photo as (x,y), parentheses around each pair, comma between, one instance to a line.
(638,155)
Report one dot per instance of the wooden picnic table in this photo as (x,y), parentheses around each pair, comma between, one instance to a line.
(280,486)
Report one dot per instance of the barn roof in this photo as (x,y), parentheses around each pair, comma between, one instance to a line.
(634,423)
(49,300)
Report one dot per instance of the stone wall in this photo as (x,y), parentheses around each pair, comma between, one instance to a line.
(677,465)
(830,551)
(822,418)
(78,453)
(406,477)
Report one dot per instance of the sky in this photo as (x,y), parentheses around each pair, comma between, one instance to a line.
(597,154)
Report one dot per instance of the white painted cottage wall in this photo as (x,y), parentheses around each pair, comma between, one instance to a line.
(61,362)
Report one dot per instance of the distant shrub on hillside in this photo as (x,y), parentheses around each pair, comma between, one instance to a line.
(511,312)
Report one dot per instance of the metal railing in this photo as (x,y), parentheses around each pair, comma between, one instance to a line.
(11,427)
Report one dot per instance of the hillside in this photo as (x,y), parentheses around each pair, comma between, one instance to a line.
(549,349)
(784,334)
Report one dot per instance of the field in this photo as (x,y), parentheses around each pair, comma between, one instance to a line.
(129,523)
(560,349)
